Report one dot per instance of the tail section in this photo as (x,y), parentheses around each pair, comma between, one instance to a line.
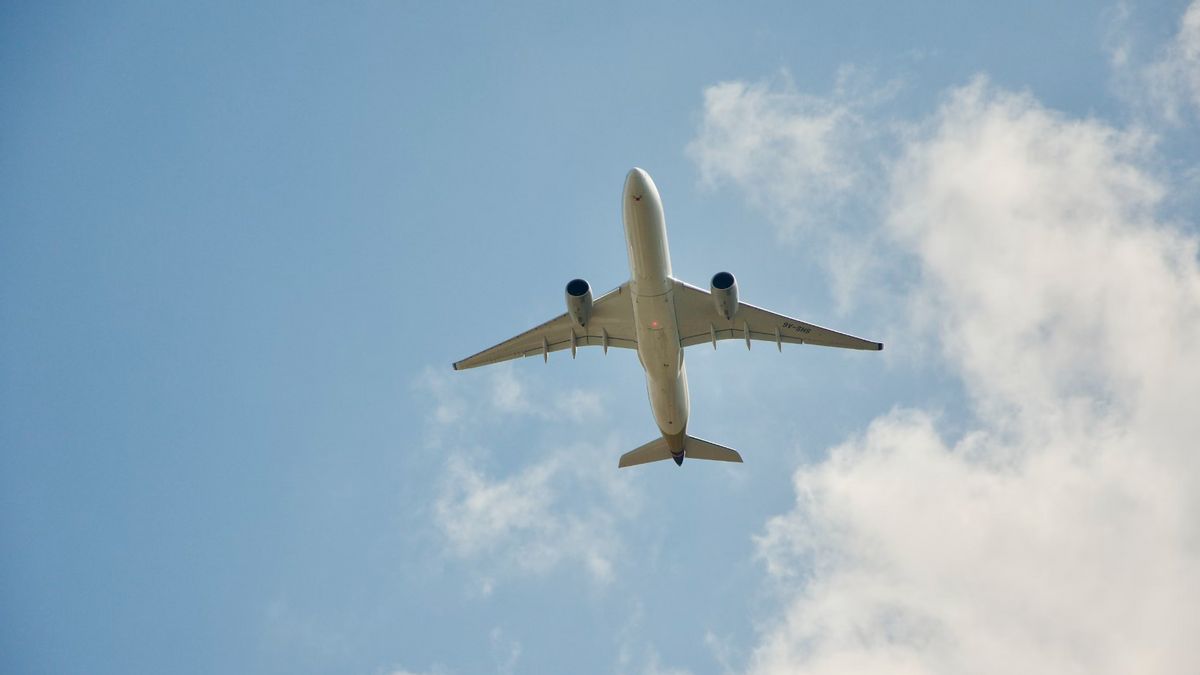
(696,448)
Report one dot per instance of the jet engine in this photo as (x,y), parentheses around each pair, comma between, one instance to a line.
(724,294)
(579,301)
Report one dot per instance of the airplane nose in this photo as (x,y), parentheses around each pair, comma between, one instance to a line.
(636,182)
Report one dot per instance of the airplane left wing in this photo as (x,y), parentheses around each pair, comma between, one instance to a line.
(699,323)
(610,325)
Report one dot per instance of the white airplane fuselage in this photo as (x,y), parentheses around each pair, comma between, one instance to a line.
(652,290)
(659,315)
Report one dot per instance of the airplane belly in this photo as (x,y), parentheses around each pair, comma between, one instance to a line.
(642,314)
(652,289)
(662,359)
(645,235)
(669,401)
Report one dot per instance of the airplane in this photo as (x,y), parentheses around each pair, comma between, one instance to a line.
(659,316)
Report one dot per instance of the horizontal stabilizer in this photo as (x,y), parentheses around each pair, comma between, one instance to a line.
(651,452)
(695,448)
(698,448)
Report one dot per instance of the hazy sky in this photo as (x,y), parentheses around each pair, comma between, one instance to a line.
(241,245)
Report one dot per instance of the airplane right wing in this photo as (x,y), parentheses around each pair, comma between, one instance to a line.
(699,322)
(610,325)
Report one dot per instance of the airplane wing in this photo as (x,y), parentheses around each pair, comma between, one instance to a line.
(610,325)
(699,322)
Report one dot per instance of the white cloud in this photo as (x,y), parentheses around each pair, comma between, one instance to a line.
(722,649)
(1040,260)
(633,646)
(781,147)
(448,405)
(555,509)
(802,161)
(653,666)
(792,154)
(506,652)
(578,405)
(1174,78)
(1160,80)
(509,395)
(546,514)
(1058,533)
(542,509)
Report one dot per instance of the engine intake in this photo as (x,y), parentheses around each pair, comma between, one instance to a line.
(724,294)
(579,301)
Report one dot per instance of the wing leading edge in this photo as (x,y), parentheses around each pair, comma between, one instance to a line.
(699,322)
(610,325)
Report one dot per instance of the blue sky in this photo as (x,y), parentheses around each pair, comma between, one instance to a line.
(240,247)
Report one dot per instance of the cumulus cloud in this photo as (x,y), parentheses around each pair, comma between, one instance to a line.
(1057,532)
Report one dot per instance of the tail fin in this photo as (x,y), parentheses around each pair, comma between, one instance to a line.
(696,448)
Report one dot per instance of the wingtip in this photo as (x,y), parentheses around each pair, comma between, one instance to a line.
(454,366)
(879,346)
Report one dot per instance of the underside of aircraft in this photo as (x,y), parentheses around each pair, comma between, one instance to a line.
(659,316)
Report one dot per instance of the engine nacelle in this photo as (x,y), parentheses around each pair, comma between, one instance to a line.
(724,294)
(579,301)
